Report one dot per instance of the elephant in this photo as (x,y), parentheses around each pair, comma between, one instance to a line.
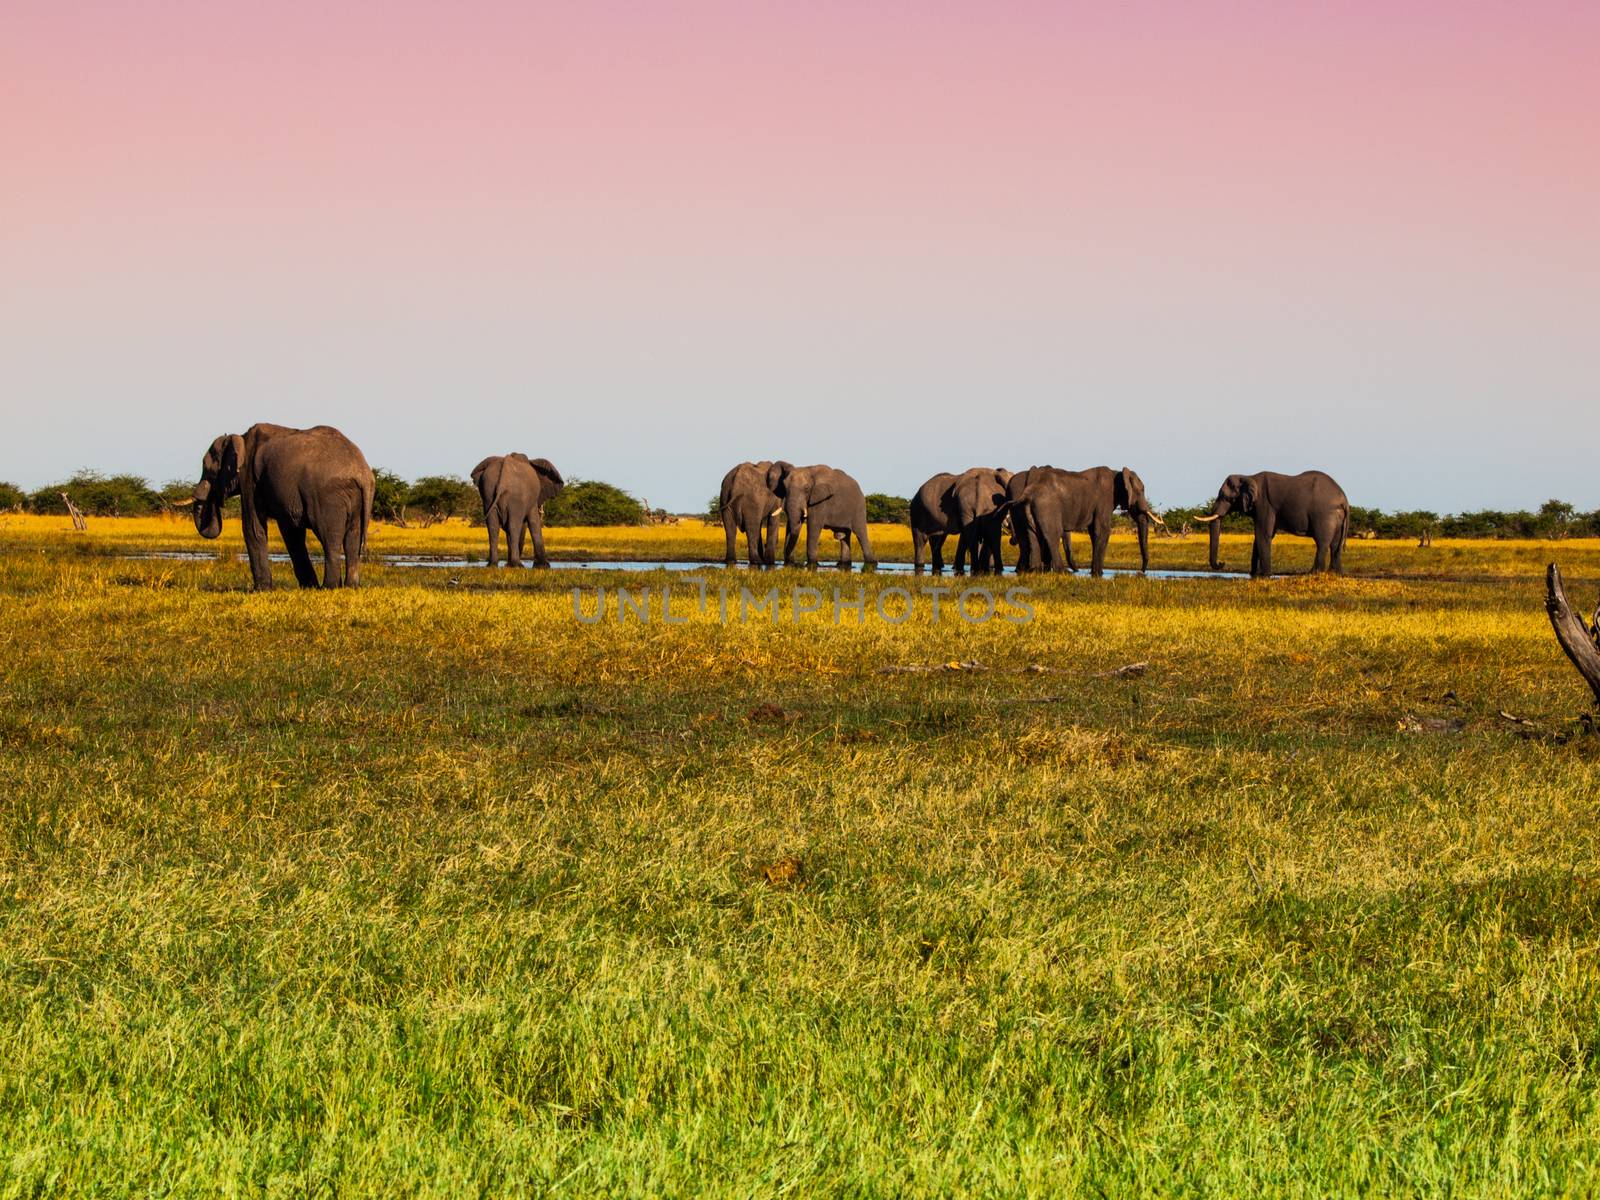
(302,479)
(748,504)
(1023,536)
(824,498)
(1056,503)
(1309,504)
(515,489)
(970,505)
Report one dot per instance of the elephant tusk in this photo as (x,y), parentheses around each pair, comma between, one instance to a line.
(1156,517)
(1208,518)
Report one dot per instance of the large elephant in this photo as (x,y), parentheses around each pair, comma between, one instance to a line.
(515,489)
(748,504)
(303,479)
(971,506)
(1309,504)
(824,498)
(1056,504)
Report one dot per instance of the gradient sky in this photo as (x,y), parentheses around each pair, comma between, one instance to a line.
(650,240)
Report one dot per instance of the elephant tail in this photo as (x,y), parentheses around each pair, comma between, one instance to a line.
(366,515)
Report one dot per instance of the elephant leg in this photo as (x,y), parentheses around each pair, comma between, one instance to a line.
(1066,547)
(536,530)
(1024,540)
(731,533)
(813,536)
(752,543)
(869,561)
(1319,564)
(1051,541)
(936,540)
(516,538)
(352,551)
(769,544)
(919,549)
(963,551)
(332,560)
(492,519)
(294,541)
(1099,538)
(1261,561)
(1336,550)
(983,560)
(993,560)
(761,542)
(255,545)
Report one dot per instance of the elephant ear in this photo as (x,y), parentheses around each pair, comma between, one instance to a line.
(1125,489)
(1249,493)
(547,471)
(776,474)
(477,471)
(230,462)
(817,490)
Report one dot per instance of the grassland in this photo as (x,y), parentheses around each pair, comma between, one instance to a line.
(427,889)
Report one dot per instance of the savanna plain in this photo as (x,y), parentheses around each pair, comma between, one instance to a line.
(429,889)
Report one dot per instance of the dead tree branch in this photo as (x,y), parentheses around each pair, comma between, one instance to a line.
(76,513)
(1581,642)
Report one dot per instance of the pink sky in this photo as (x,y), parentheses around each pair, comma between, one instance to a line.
(530,213)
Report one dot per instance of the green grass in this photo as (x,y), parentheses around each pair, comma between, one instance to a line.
(429,890)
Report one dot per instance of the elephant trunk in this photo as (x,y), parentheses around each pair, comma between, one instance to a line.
(207,512)
(794,514)
(1216,536)
(1141,521)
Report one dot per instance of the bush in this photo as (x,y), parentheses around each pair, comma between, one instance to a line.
(883,509)
(12,497)
(99,496)
(440,497)
(1178,515)
(591,502)
(389,492)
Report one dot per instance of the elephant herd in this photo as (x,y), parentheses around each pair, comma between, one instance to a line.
(1042,507)
(317,480)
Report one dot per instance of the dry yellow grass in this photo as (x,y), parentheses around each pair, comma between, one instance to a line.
(429,889)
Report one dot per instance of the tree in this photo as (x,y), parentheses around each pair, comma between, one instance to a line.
(884,509)
(440,497)
(1579,639)
(1556,519)
(389,493)
(591,502)
(99,495)
(12,497)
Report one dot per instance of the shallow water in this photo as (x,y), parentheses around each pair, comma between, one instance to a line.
(457,564)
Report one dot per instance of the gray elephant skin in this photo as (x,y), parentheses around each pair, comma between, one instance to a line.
(971,506)
(1022,535)
(824,498)
(515,489)
(748,505)
(303,479)
(1309,504)
(1055,504)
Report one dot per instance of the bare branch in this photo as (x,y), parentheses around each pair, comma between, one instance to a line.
(1581,642)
